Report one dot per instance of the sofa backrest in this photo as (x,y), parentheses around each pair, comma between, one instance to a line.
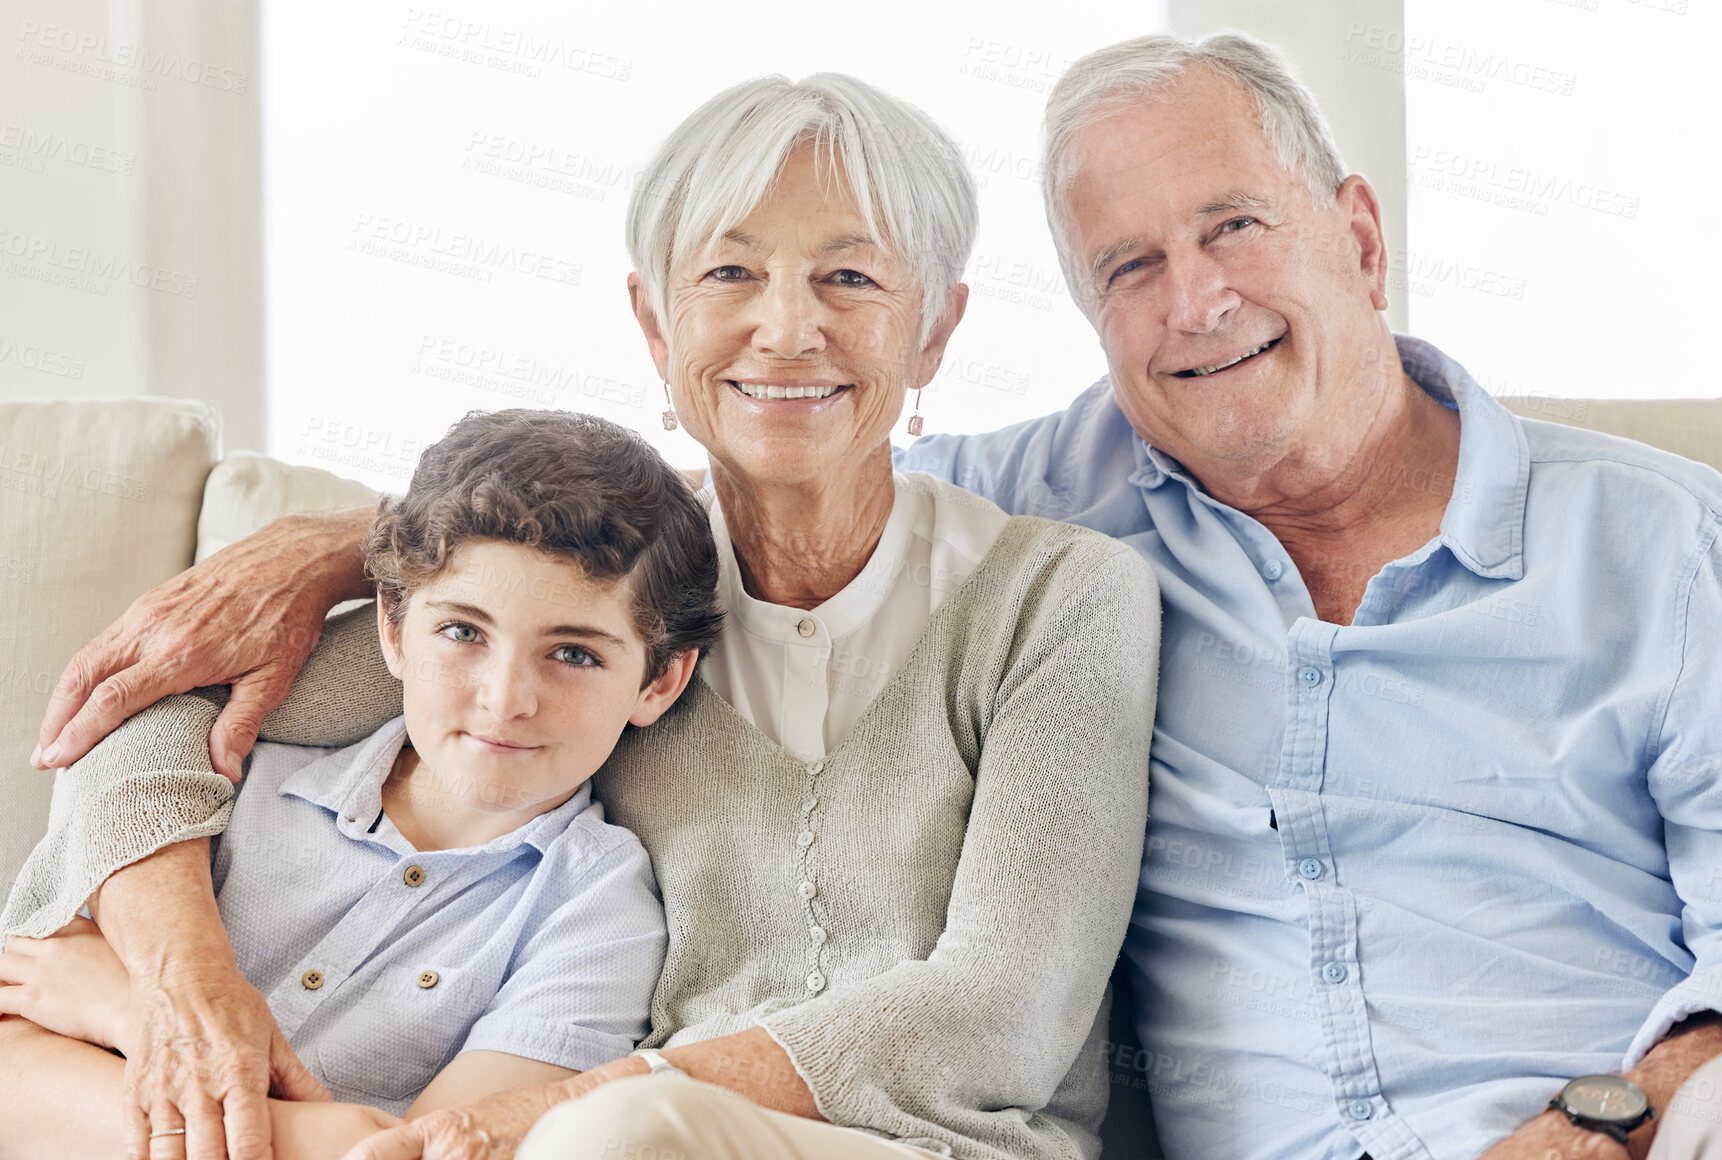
(100,499)
(104,498)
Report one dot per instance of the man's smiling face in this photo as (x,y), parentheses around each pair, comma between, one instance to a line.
(1239,318)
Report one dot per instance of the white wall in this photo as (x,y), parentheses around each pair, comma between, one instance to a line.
(130,223)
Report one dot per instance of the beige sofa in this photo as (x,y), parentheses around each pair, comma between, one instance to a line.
(104,498)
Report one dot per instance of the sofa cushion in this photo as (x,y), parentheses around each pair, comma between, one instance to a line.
(1689,427)
(101,499)
(247,490)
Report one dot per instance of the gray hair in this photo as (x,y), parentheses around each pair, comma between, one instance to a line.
(1105,81)
(907,176)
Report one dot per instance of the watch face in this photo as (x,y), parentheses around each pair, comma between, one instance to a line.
(1606,1098)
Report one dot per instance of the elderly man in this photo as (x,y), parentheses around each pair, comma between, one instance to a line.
(1435,820)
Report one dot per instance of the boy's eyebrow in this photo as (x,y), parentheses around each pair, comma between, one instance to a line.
(474,612)
(585,630)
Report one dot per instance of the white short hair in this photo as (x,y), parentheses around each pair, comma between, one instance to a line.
(907,175)
(1109,79)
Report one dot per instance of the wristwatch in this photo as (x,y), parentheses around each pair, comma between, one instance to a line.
(660,1065)
(1604,1103)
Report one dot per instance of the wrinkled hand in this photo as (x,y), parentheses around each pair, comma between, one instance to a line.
(248,616)
(487,1129)
(324,1130)
(71,983)
(207,1053)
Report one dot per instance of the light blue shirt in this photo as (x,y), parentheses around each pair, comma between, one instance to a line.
(544,943)
(1405,877)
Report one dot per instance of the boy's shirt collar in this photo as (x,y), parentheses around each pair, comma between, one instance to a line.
(349,784)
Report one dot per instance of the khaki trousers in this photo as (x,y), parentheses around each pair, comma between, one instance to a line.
(671,1117)
(1691,1127)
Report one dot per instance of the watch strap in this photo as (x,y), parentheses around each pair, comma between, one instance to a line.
(659,1065)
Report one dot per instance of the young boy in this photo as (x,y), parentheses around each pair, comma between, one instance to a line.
(439,911)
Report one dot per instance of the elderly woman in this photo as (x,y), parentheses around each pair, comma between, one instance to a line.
(897,817)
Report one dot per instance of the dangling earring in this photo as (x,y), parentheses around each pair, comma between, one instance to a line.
(915,419)
(670,423)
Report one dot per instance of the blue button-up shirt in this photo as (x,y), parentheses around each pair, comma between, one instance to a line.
(1406,876)
(381,963)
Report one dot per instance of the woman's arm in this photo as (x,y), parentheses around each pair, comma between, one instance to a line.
(130,823)
(248,615)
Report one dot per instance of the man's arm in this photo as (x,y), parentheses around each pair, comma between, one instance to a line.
(246,616)
(1683,1031)
(1551,1136)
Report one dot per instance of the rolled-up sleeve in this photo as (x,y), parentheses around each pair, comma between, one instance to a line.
(991,1022)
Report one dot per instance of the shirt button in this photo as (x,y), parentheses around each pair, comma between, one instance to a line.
(807,890)
(1310,868)
(806,627)
(815,981)
(429,979)
(818,935)
(1334,973)
(311,980)
(804,839)
(1273,570)
(1361,1109)
(415,876)
(1310,676)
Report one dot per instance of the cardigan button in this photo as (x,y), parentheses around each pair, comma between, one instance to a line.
(804,839)
(815,981)
(807,890)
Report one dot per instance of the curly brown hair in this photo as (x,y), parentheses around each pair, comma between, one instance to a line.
(570,485)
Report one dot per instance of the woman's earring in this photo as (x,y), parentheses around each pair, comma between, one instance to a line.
(670,423)
(915,419)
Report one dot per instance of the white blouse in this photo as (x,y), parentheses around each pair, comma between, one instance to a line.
(804,677)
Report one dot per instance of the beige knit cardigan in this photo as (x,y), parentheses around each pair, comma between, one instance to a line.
(925,920)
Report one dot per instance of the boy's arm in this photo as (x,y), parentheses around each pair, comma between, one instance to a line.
(64,1098)
(476,1074)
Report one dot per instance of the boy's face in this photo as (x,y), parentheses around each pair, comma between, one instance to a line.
(518,674)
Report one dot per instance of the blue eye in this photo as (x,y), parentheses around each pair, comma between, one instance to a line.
(1126,268)
(458,632)
(728,274)
(1236,224)
(576,655)
(852,278)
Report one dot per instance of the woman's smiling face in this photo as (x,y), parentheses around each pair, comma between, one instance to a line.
(792,339)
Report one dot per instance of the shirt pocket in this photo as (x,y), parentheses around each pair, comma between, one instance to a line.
(399,1031)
